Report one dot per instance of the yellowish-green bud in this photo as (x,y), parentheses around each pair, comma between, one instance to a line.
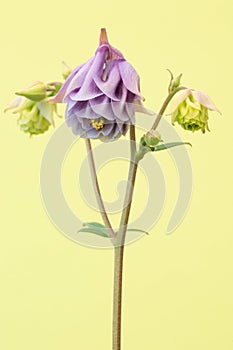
(174,83)
(35,91)
(34,117)
(190,110)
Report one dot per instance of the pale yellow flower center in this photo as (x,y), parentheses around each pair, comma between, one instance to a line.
(97,123)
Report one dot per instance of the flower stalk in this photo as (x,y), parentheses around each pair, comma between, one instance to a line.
(164,106)
(97,189)
(119,246)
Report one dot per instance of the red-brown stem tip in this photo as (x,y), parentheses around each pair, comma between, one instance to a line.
(103,36)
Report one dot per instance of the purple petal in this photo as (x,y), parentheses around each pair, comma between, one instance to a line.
(115,53)
(130,77)
(82,110)
(78,78)
(102,106)
(107,129)
(119,107)
(89,89)
(130,108)
(109,86)
(59,96)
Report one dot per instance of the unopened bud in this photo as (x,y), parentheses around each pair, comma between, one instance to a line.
(34,92)
(174,82)
(152,138)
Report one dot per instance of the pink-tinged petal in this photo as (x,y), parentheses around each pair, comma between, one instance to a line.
(130,77)
(177,99)
(108,87)
(205,100)
(58,98)
(14,103)
(115,54)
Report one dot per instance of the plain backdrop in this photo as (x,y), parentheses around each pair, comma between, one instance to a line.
(56,294)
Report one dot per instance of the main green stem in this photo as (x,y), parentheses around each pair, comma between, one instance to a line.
(119,240)
(119,246)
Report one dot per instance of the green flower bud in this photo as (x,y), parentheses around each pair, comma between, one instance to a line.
(34,117)
(151,138)
(190,110)
(35,91)
(174,83)
(148,143)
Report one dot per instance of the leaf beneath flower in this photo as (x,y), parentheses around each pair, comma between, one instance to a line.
(95,228)
(93,224)
(170,145)
(100,230)
(137,230)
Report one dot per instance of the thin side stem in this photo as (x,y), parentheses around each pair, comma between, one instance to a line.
(119,246)
(164,106)
(97,189)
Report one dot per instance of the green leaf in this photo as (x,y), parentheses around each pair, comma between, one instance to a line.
(95,228)
(93,224)
(170,145)
(100,230)
(97,231)
(138,230)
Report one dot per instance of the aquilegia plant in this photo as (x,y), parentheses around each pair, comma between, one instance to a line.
(102,97)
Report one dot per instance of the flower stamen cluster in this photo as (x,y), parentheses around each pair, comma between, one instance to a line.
(97,123)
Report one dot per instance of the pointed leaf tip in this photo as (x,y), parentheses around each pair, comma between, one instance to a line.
(170,145)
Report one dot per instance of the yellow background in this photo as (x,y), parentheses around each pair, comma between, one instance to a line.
(178,289)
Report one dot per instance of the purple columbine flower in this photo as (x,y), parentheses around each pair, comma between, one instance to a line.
(102,95)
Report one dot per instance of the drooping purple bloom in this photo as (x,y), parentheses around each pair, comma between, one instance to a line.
(102,95)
